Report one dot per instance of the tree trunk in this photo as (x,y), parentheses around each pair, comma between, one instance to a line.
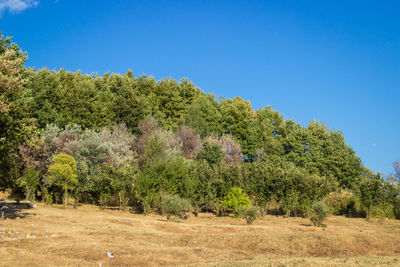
(65,198)
(28,194)
(120,201)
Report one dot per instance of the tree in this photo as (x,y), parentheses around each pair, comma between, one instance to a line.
(191,142)
(265,135)
(67,98)
(396,167)
(237,115)
(321,152)
(249,213)
(319,214)
(371,191)
(204,115)
(232,149)
(235,199)
(29,181)
(173,98)
(211,152)
(16,125)
(129,106)
(173,205)
(63,173)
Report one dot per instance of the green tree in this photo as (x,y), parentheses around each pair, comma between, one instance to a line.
(321,152)
(211,152)
(173,205)
(237,114)
(63,173)
(265,135)
(204,115)
(319,214)
(371,191)
(29,181)
(16,125)
(236,198)
(172,100)
(129,105)
(249,213)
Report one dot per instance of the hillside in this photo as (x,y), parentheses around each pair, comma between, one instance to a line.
(52,236)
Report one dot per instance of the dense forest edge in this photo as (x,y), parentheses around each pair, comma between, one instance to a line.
(150,146)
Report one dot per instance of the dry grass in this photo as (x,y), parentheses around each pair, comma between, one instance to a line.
(52,236)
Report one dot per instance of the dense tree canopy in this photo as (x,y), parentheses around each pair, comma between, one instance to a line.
(135,140)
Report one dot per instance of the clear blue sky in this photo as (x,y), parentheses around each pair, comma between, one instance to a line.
(334,61)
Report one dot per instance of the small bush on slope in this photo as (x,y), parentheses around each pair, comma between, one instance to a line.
(319,214)
(249,213)
(173,205)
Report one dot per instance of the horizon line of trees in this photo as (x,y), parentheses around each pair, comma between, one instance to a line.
(125,140)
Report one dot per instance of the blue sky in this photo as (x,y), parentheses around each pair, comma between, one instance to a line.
(334,61)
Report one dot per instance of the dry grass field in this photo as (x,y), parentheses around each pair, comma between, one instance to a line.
(53,236)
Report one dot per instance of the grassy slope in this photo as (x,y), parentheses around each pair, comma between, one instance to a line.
(82,237)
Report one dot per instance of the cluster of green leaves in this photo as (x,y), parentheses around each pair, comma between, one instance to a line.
(63,173)
(93,102)
(16,125)
(135,139)
(235,199)
(173,205)
(249,213)
(319,214)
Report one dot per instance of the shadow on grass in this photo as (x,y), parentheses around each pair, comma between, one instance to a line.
(14,210)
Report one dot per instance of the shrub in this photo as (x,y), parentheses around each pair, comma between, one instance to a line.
(29,182)
(383,211)
(319,214)
(104,200)
(220,208)
(338,202)
(173,205)
(354,208)
(211,152)
(63,173)
(249,213)
(47,196)
(236,198)
(396,208)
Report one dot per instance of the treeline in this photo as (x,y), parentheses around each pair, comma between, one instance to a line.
(128,141)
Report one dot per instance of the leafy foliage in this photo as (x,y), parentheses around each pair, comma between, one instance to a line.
(63,173)
(29,181)
(249,213)
(235,199)
(136,139)
(319,214)
(16,124)
(211,153)
(173,205)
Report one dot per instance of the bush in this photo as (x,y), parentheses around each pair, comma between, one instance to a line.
(173,205)
(396,208)
(220,208)
(63,173)
(104,200)
(236,198)
(250,214)
(383,211)
(319,214)
(338,202)
(47,196)
(354,208)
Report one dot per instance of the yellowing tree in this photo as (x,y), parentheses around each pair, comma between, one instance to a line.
(63,173)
